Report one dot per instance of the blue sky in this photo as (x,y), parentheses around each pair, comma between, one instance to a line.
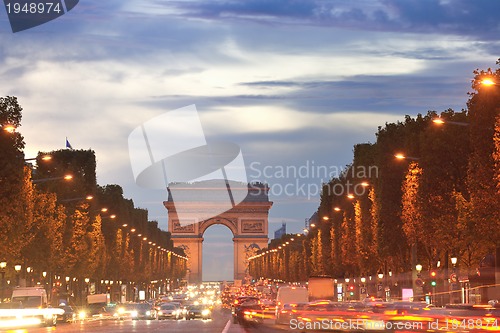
(293,82)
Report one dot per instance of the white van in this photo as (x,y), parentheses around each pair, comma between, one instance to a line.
(30,297)
(286,300)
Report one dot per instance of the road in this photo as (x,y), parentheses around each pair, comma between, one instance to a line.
(220,323)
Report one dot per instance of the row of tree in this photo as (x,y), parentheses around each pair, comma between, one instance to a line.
(73,228)
(440,199)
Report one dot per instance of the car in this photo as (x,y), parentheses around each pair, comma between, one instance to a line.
(68,316)
(125,311)
(235,305)
(143,311)
(288,312)
(181,307)
(168,310)
(198,311)
(248,311)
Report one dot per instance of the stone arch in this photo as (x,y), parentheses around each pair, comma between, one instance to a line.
(230,224)
(248,222)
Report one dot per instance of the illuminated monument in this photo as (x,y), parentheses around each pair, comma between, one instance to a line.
(248,221)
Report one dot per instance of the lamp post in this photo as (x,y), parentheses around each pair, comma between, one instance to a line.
(380,284)
(453,279)
(8,128)
(3,264)
(441,121)
(417,291)
(17,268)
(28,276)
(87,280)
(43,180)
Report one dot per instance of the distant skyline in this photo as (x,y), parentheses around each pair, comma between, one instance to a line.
(293,83)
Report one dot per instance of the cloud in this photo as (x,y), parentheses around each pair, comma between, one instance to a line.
(474,18)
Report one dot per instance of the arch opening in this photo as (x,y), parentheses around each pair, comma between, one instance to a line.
(218,253)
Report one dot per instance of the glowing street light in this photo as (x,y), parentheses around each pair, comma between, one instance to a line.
(441,121)
(9,128)
(43,158)
(454,261)
(43,180)
(488,82)
(88,198)
(400,156)
(337,209)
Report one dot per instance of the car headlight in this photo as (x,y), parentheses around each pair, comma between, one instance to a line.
(160,313)
(134,313)
(148,313)
(205,312)
(82,315)
(121,310)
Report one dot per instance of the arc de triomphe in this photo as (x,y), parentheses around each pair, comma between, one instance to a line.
(248,221)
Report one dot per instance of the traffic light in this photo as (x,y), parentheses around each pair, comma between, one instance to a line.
(351,290)
(433,275)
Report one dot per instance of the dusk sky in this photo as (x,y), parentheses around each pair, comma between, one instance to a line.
(295,83)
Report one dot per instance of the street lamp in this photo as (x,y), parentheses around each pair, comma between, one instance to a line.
(454,261)
(418,267)
(9,128)
(28,276)
(3,264)
(441,121)
(488,82)
(43,180)
(401,156)
(17,268)
(87,280)
(88,198)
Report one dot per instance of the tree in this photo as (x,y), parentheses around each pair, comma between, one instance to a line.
(78,251)
(13,177)
(484,111)
(43,247)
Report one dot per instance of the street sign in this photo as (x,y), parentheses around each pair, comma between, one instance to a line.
(453,277)
(379,287)
(362,290)
(419,282)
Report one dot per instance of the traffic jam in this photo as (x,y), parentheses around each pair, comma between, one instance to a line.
(307,308)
